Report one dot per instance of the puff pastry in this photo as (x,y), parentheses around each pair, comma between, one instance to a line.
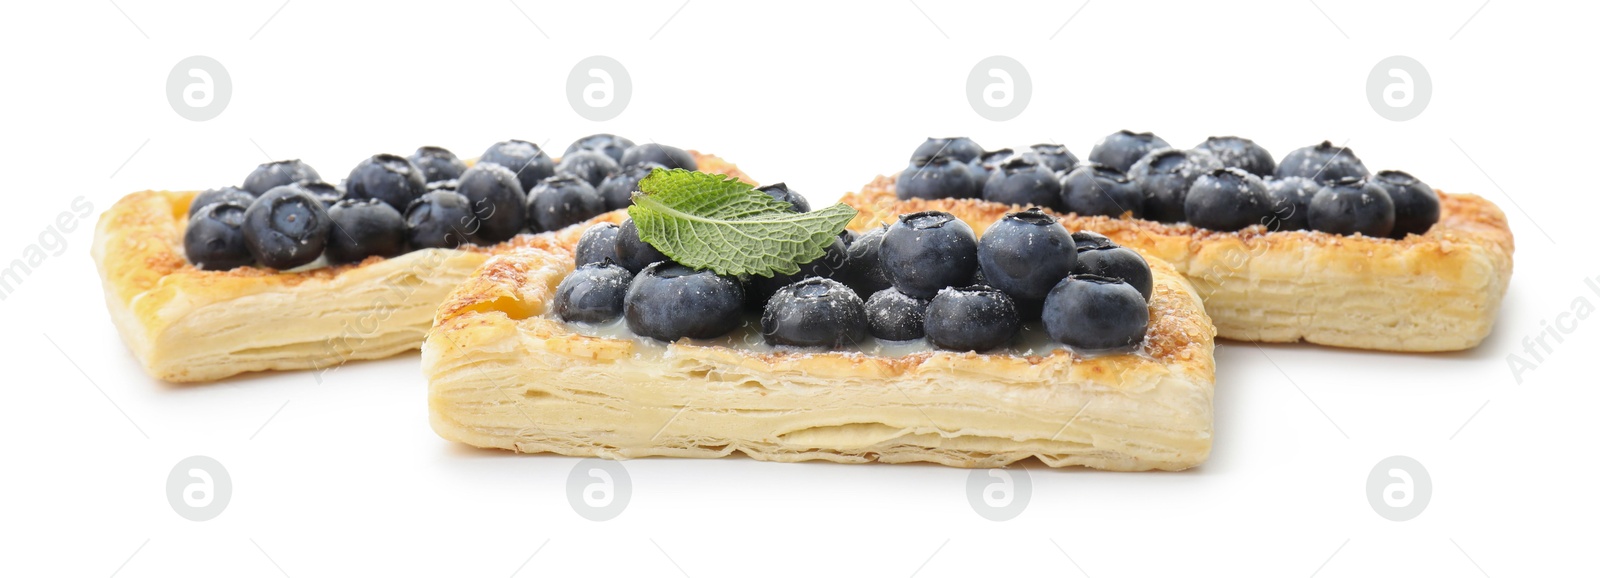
(1435,292)
(186,325)
(504,374)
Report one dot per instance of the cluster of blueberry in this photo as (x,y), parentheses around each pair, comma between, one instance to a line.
(925,275)
(285,216)
(1224,184)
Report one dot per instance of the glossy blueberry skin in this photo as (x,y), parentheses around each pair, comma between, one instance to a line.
(208,196)
(1023,181)
(286,227)
(1095,313)
(1116,262)
(213,240)
(525,159)
(598,244)
(1025,254)
(780,191)
(1416,205)
(388,178)
(924,252)
(1324,163)
(632,253)
(560,201)
(863,269)
(960,149)
(592,166)
(848,236)
(895,316)
(666,156)
(937,178)
(975,318)
(437,163)
(592,293)
(441,219)
(1165,177)
(1291,202)
(1094,189)
(1352,205)
(617,190)
(983,165)
(364,228)
(275,174)
(668,301)
(814,312)
(1121,149)
(1055,156)
(833,262)
(1241,153)
(1228,200)
(326,193)
(612,145)
(497,201)
(447,185)
(1090,240)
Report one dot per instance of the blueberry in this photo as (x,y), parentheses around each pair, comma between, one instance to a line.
(450,184)
(1227,200)
(780,191)
(983,165)
(960,149)
(1023,180)
(1096,313)
(1116,262)
(592,166)
(388,178)
(833,262)
(497,201)
(632,253)
(1165,176)
(895,316)
(1090,240)
(670,157)
(1352,205)
(1240,153)
(214,240)
(441,219)
(286,227)
(560,201)
(668,301)
(848,236)
(278,173)
(975,318)
(612,145)
(937,178)
(617,190)
(1094,189)
(863,270)
(1416,205)
(814,312)
(1323,163)
(1055,156)
(593,293)
(1121,149)
(1025,254)
(437,163)
(209,196)
(924,252)
(362,228)
(1291,202)
(525,159)
(597,245)
(325,193)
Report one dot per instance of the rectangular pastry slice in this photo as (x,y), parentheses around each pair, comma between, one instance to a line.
(503,372)
(187,325)
(1440,291)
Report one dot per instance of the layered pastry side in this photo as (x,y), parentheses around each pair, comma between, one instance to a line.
(1346,280)
(507,369)
(189,319)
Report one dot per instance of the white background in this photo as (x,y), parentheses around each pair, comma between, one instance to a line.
(344,477)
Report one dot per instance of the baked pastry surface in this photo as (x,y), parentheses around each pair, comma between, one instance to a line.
(1435,292)
(503,373)
(185,324)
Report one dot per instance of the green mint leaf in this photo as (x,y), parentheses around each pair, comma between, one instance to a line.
(708,221)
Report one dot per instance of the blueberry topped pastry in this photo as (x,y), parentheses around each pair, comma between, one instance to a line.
(1121,149)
